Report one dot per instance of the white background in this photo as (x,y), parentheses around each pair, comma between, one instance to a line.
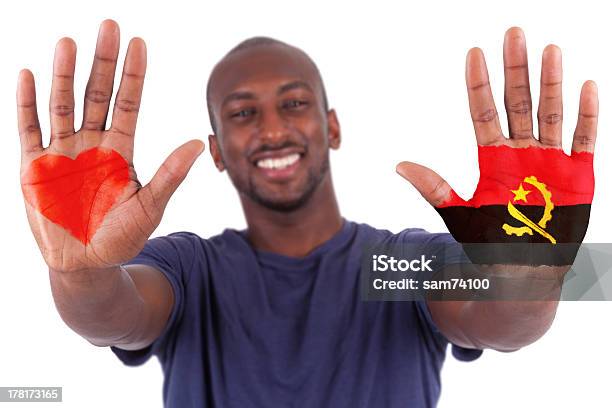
(395,74)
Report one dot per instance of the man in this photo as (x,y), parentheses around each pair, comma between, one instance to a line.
(271,316)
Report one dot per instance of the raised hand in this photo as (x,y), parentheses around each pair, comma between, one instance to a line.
(84,203)
(529,190)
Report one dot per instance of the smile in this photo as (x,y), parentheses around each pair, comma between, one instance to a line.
(278,163)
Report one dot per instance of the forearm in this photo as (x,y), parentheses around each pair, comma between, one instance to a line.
(532,295)
(103,306)
(506,325)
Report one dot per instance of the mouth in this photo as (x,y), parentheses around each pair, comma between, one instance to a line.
(280,164)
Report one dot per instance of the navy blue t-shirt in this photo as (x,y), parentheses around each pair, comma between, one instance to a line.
(256,329)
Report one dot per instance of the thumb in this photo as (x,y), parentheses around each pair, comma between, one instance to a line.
(429,183)
(172,172)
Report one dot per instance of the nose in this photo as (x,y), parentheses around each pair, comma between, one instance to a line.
(273,128)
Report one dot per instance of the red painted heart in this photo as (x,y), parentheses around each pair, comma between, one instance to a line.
(76,194)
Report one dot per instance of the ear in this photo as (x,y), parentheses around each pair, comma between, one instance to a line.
(215,152)
(333,129)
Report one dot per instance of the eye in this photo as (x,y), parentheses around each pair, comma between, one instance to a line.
(294,104)
(243,113)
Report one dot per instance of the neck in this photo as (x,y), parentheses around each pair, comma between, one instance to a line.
(295,233)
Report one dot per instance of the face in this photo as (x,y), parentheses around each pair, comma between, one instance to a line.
(273,134)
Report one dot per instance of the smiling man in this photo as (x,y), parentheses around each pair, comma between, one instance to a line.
(272,315)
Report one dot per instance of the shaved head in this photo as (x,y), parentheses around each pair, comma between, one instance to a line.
(255,44)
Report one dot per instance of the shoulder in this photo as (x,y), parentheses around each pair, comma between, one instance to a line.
(184,249)
(176,243)
(407,235)
(190,241)
(421,236)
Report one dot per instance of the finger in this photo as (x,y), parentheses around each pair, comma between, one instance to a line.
(61,103)
(27,117)
(586,129)
(550,108)
(482,106)
(427,182)
(517,95)
(127,102)
(99,88)
(155,195)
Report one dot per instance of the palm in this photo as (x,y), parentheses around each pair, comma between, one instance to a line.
(84,202)
(505,162)
(115,240)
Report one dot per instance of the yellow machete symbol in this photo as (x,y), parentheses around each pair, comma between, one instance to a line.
(530,226)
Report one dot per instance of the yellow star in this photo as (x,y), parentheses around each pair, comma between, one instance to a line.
(520,194)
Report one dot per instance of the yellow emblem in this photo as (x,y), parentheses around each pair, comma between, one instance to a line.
(530,226)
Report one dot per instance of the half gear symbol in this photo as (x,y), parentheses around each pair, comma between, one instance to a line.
(530,226)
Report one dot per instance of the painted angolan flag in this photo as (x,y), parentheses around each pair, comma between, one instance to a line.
(526,196)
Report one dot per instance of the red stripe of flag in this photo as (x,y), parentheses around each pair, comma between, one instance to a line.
(502,169)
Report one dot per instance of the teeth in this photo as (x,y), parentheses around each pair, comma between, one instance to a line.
(279,163)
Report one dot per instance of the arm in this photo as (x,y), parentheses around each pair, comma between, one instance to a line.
(503,325)
(87,210)
(498,325)
(565,190)
(127,307)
